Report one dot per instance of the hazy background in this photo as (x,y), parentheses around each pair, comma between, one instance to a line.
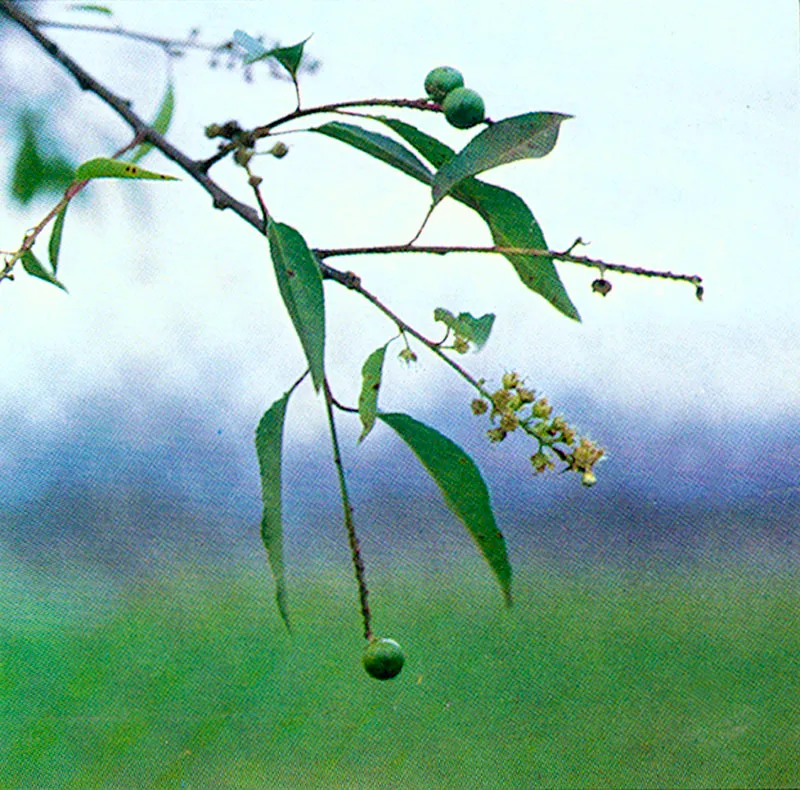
(129,405)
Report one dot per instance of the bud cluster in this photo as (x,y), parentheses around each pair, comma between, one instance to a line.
(514,406)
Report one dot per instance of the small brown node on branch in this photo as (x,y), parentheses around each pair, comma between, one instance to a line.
(352,280)
(601,286)
(698,292)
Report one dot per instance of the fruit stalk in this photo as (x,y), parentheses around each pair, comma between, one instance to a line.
(352,538)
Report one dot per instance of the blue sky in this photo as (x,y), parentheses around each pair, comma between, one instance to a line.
(683,155)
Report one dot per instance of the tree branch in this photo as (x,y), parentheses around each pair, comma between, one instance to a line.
(221,199)
(567,256)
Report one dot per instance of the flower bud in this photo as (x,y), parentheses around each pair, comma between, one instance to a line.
(242,156)
(479,406)
(509,422)
(460,345)
(542,409)
(511,381)
(496,434)
(541,462)
(279,150)
(501,399)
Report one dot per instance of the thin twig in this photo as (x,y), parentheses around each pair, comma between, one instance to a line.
(567,257)
(404,327)
(172,46)
(267,129)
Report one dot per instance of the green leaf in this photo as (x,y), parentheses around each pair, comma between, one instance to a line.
(476,330)
(462,486)
(97,9)
(528,136)
(32,173)
(269,448)
(33,266)
(378,145)
(55,237)
(29,166)
(370,384)
(513,225)
(300,283)
(435,151)
(290,57)
(254,48)
(114,168)
(160,123)
(509,219)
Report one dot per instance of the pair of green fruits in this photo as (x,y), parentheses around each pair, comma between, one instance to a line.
(462,106)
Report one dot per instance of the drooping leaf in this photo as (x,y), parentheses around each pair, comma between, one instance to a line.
(378,145)
(160,123)
(476,330)
(34,173)
(28,167)
(509,219)
(34,267)
(462,486)
(97,9)
(290,57)
(528,136)
(54,247)
(300,282)
(371,374)
(102,167)
(269,449)
(513,225)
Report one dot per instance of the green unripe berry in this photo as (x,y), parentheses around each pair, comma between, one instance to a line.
(383,658)
(441,81)
(463,108)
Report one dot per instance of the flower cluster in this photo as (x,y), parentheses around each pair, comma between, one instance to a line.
(514,406)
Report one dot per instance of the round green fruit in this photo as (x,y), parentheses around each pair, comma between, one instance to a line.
(441,81)
(463,108)
(383,658)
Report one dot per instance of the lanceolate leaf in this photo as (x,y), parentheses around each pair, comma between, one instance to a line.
(528,136)
(300,282)
(378,145)
(509,219)
(160,123)
(33,266)
(269,448)
(476,330)
(370,385)
(115,168)
(97,9)
(54,246)
(513,225)
(462,486)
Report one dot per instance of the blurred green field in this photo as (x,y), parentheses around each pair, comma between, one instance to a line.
(599,679)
